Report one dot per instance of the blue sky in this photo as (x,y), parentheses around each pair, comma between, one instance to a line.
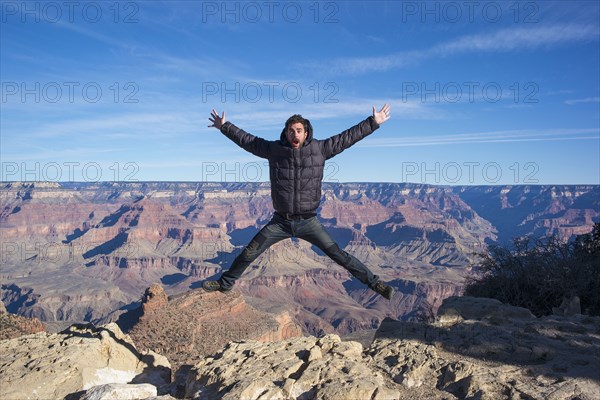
(481,92)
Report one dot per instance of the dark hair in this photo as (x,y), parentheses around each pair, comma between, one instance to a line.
(294,119)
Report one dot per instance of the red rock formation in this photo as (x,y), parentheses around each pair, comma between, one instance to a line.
(196,323)
(155,298)
(13,326)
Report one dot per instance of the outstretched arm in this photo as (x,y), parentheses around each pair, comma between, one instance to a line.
(338,143)
(253,144)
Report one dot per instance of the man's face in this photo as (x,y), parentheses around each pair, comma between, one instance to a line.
(296,135)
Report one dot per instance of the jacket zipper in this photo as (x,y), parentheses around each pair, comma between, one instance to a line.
(295,186)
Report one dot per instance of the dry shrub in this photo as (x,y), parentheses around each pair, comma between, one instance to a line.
(539,274)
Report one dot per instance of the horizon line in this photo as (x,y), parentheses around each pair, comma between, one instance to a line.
(324,182)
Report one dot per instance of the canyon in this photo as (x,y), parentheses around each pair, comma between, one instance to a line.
(87,252)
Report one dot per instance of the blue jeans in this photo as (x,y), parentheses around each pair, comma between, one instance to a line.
(309,229)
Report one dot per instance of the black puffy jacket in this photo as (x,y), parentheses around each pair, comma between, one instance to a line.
(296,174)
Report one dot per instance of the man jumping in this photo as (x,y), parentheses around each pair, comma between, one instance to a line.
(296,163)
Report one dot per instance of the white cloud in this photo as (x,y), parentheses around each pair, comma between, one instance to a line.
(501,41)
(519,38)
(507,136)
(586,100)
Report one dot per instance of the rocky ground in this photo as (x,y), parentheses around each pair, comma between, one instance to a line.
(476,349)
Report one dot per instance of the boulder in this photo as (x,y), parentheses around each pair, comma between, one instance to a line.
(120,391)
(455,309)
(570,306)
(52,366)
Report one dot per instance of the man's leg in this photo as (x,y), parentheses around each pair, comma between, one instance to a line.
(270,234)
(314,232)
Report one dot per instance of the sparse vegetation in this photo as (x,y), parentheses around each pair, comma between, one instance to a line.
(539,274)
(12,326)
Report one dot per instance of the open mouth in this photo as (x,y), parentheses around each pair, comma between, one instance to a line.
(295,142)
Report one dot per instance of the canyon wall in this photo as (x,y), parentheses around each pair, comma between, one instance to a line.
(88,251)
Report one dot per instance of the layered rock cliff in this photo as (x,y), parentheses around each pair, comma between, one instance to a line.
(85,251)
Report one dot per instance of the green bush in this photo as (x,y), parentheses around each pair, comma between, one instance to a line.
(539,274)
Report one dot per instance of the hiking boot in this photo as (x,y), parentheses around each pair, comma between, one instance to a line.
(212,286)
(383,289)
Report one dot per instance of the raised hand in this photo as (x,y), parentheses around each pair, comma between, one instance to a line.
(382,115)
(217,121)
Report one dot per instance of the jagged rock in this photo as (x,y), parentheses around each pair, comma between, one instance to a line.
(120,391)
(298,368)
(497,351)
(154,298)
(159,374)
(44,366)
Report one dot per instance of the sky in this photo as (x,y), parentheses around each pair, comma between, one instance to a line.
(481,92)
